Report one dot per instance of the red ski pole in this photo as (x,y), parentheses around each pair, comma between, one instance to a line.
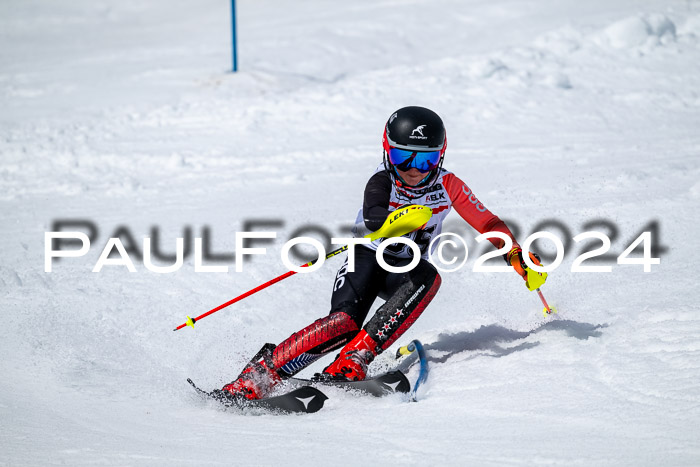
(547,309)
(191,321)
(534,281)
(400,222)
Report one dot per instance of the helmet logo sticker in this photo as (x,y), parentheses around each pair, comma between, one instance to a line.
(419,130)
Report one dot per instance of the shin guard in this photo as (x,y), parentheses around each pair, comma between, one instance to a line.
(314,341)
(402,309)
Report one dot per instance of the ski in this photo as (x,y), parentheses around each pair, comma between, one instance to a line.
(306,399)
(384,384)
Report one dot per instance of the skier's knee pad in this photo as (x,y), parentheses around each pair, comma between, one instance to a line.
(350,312)
(424,272)
(311,343)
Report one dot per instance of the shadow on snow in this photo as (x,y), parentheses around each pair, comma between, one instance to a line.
(490,339)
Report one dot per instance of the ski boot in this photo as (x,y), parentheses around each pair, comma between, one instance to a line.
(352,361)
(257,378)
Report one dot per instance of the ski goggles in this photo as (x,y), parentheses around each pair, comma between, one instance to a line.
(404,159)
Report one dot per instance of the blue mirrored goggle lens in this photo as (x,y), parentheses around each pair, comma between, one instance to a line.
(405,160)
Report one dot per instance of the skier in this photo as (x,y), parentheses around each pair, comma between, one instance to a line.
(414,148)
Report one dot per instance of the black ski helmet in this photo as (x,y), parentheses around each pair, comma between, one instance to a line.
(419,130)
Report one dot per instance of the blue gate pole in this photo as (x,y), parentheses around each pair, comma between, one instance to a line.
(424,370)
(233,35)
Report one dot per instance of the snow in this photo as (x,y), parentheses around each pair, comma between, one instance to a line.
(124,114)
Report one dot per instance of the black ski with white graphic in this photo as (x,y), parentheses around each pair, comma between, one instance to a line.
(384,384)
(305,399)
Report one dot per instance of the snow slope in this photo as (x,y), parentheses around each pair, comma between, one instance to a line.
(124,114)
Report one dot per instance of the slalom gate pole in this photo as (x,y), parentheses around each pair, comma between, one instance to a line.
(416,346)
(234,41)
(424,370)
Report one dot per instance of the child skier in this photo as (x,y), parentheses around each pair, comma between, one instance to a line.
(414,148)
